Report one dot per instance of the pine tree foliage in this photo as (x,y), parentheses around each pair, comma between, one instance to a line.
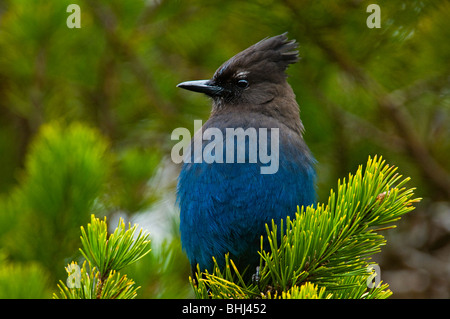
(325,251)
(22,281)
(105,254)
(65,175)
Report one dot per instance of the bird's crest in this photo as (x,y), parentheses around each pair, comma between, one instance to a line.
(269,56)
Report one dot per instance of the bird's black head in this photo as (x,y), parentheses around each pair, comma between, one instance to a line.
(253,76)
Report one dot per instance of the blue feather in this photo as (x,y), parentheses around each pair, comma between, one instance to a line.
(225,206)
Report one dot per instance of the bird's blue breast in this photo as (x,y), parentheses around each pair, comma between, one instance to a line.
(224,206)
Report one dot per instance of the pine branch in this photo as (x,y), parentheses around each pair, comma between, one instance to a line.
(105,256)
(328,246)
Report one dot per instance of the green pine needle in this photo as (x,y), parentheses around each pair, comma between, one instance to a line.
(115,251)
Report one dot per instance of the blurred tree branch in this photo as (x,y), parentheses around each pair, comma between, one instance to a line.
(109,23)
(389,141)
(389,105)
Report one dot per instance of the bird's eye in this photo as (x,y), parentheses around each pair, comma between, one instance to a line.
(242,83)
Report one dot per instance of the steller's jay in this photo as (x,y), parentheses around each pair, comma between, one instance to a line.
(224,206)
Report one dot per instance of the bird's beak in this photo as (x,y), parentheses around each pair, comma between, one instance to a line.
(203,86)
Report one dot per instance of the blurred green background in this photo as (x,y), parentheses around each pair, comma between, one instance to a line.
(86,116)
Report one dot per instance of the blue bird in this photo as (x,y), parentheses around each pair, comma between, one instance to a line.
(229,190)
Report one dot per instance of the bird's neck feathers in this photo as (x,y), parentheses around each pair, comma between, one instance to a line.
(278,108)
